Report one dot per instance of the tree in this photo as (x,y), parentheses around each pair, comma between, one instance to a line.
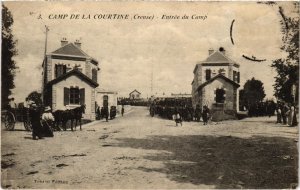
(36,97)
(288,68)
(7,54)
(253,92)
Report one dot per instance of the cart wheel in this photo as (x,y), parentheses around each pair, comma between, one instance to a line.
(27,125)
(9,121)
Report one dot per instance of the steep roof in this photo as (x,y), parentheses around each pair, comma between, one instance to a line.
(214,78)
(70,49)
(135,91)
(217,58)
(77,73)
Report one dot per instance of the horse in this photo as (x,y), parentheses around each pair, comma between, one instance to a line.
(76,114)
(62,117)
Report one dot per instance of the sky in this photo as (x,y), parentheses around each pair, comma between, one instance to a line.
(129,51)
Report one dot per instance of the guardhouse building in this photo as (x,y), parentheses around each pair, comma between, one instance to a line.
(70,78)
(215,84)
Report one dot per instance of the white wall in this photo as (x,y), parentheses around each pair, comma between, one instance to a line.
(58,95)
(112,98)
(209,93)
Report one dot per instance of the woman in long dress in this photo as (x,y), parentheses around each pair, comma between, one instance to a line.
(293,117)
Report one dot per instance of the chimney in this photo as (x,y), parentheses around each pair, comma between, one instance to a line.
(64,41)
(210,51)
(77,43)
(222,50)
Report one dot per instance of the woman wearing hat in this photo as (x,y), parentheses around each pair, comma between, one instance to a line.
(47,121)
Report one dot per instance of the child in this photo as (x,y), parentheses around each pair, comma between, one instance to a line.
(177,117)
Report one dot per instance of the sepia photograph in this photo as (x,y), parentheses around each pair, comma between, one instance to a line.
(149,94)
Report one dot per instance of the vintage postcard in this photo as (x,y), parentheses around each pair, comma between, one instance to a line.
(149,95)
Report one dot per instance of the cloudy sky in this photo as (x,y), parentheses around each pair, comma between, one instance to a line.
(128,50)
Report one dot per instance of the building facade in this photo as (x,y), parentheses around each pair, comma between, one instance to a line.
(70,78)
(216,82)
(106,98)
(135,95)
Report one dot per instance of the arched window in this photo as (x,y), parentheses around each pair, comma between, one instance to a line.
(220,95)
(105,101)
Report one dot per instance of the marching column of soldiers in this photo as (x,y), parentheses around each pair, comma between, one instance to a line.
(286,113)
(167,108)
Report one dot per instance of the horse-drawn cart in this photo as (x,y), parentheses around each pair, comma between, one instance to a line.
(10,117)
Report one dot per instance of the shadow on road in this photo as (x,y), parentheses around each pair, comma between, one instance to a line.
(226,162)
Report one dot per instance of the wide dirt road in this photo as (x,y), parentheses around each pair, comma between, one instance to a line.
(138,151)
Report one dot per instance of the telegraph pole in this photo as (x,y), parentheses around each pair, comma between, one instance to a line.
(46,40)
(44,63)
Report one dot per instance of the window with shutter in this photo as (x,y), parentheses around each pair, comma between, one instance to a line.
(82,96)
(66,96)
(55,71)
(234,76)
(74,95)
(238,77)
(94,75)
(60,70)
(208,74)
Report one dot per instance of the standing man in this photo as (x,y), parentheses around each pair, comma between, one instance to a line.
(197,113)
(284,113)
(122,110)
(98,116)
(205,115)
(12,106)
(106,113)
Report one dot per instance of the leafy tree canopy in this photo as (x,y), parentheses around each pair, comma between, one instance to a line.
(253,91)
(8,52)
(288,68)
(36,97)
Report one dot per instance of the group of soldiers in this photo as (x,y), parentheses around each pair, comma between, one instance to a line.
(105,113)
(185,112)
(286,114)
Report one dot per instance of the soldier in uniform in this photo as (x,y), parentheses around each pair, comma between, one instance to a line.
(205,115)
(197,113)
(106,114)
(122,110)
